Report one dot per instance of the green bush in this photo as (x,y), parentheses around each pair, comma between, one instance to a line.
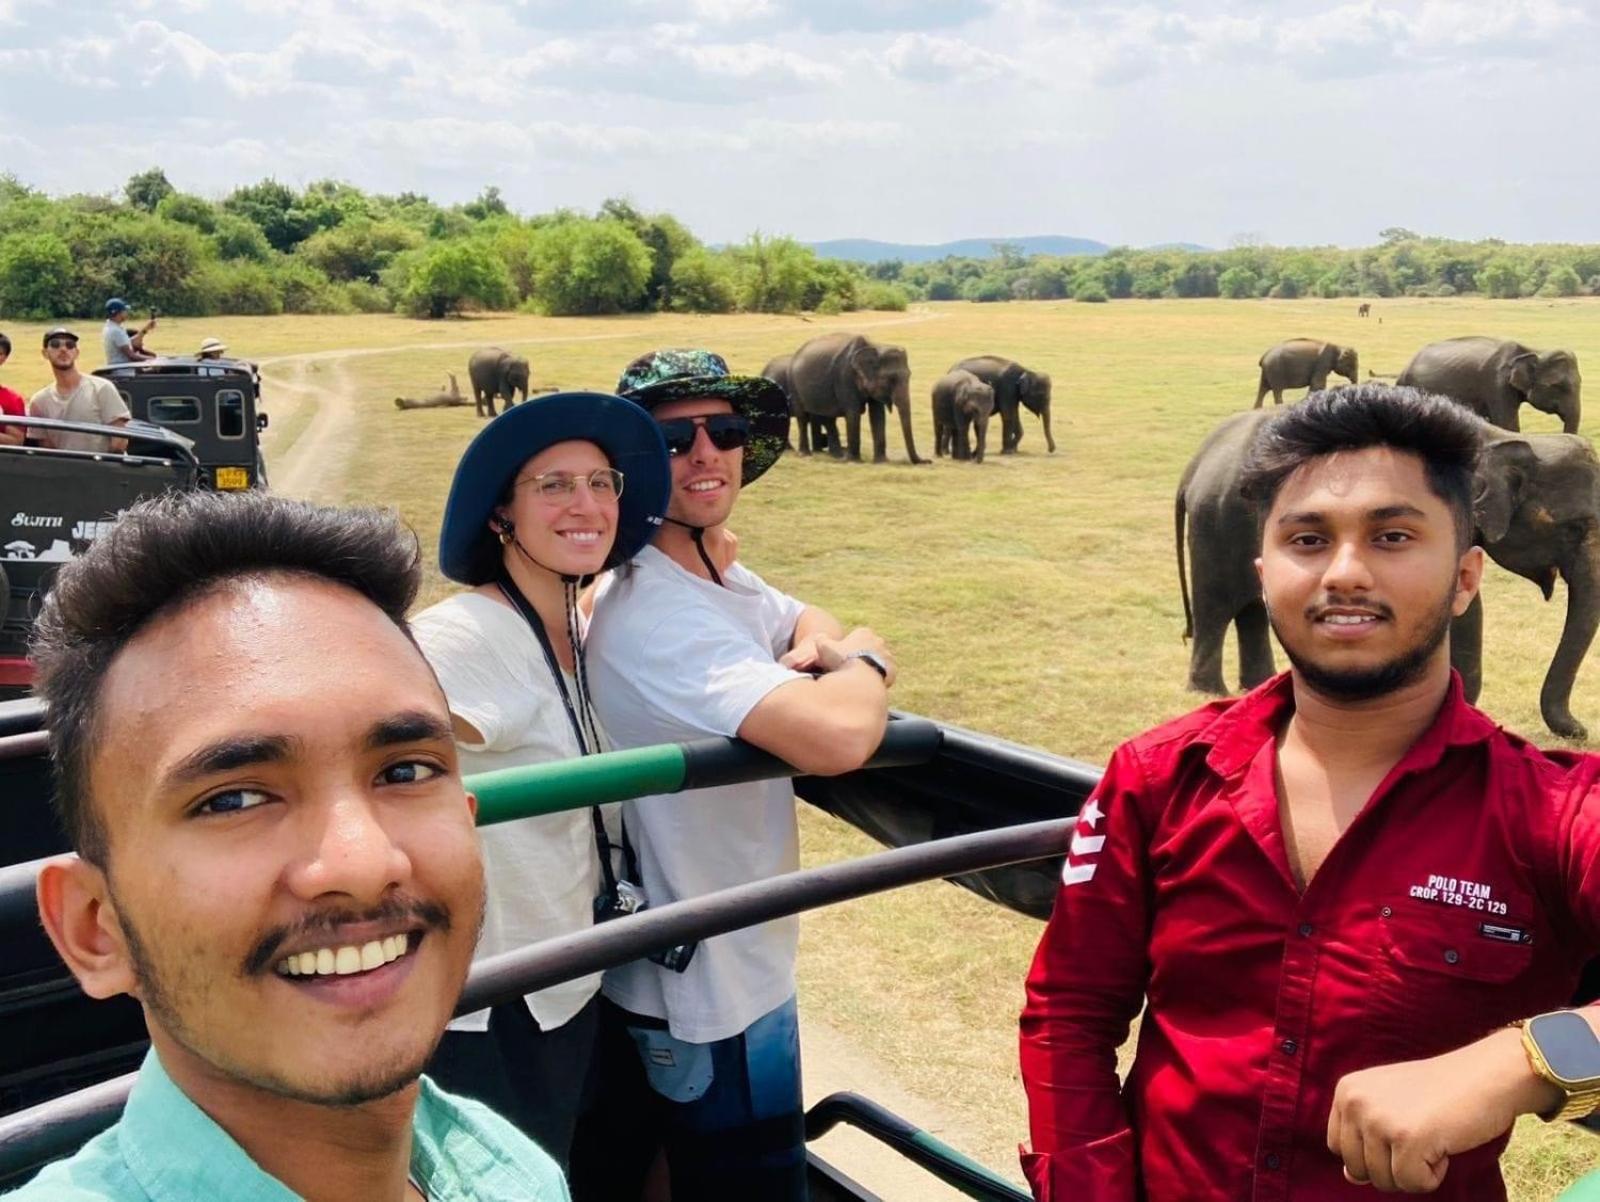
(239,286)
(1091,292)
(703,282)
(878,294)
(1502,278)
(304,289)
(362,297)
(830,305)
(358,250)
(35,272)
(775,275)
(1287,288)
(236,238)
(1238,283)
(985,290)
(943,288)
(188,210)
(1562,281)
(449,277)
(588,266)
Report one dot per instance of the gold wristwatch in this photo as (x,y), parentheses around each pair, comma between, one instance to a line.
(1563,1049)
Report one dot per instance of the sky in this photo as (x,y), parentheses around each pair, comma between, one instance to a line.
(1209,121)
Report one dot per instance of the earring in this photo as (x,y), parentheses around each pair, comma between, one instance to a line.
(505,537)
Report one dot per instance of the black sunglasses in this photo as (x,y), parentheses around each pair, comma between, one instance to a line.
(725,430)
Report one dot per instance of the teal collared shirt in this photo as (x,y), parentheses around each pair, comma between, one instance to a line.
(166,1149)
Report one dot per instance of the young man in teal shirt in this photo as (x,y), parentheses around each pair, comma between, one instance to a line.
(276,857)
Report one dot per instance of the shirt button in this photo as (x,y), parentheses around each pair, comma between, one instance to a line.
(1290,1047)
(1452,956)
(1305,930)
(1386,911)
(1273,1160)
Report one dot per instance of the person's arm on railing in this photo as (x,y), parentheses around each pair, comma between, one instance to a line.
(834,723)
(1086,984)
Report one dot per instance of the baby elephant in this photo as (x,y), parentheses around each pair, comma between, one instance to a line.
(961,402)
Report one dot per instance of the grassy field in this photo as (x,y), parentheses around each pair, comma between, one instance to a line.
(1034,596)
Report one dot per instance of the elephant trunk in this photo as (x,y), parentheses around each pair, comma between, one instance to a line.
(1044,416)
(902,402)
(1582,574)
(1569,417)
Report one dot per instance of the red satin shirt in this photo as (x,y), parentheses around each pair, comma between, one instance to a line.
(1464,895)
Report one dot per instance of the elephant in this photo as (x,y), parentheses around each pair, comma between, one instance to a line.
(1303,363)
(495,372)
(840,375)
(961,401)
(1536,513)
(1013,384)
(778,372)
(1494,378)
(439,400)
(1364,308)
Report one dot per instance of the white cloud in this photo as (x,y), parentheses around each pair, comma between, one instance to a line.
(930,58)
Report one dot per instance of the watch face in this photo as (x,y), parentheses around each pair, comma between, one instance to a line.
(1568,1044)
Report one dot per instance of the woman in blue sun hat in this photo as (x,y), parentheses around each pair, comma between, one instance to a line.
(549,494)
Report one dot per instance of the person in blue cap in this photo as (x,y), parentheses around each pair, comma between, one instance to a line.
(548,495)
(121,346)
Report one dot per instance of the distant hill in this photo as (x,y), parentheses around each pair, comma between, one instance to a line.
(865,250)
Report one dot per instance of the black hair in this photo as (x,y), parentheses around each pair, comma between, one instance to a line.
(5,345)
(166,553)
(1447,437)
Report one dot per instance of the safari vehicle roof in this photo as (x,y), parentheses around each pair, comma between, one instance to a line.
(180,365)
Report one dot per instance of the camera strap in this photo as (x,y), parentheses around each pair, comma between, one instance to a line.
(602,841)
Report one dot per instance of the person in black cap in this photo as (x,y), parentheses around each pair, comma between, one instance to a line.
(545,497)
(688,643)
(75,397)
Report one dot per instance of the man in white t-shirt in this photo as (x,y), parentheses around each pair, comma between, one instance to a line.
(687,643)
(75,397)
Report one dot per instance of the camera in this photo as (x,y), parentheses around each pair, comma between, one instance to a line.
(629,898)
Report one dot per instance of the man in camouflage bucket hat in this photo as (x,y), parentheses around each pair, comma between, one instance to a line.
(684,644)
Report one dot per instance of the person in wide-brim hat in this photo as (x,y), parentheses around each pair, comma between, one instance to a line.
(548,494)
(471,552)
(212,348)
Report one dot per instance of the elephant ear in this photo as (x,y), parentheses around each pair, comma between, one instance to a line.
(1523,369)
(1503,472)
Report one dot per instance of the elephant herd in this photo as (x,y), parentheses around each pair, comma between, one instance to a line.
(1536,510)
(835,376)
(1493,377)
(846,375)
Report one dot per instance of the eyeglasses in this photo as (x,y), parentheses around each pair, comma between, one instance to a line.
(55,344)
(605,484)
(725,430)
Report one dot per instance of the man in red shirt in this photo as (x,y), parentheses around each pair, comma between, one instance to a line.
(10,402)
(1348,867)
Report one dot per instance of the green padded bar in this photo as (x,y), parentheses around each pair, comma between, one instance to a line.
(573,784)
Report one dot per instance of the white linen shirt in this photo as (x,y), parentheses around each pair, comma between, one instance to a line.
(673,657)
(542,873)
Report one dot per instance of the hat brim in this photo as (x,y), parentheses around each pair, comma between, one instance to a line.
(468,551)
(757,398)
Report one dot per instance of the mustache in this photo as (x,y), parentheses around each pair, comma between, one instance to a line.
(433,916)
(1322,604)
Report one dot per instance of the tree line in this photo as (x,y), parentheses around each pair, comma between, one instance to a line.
(266,248)
(1404,263)
(330,247)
